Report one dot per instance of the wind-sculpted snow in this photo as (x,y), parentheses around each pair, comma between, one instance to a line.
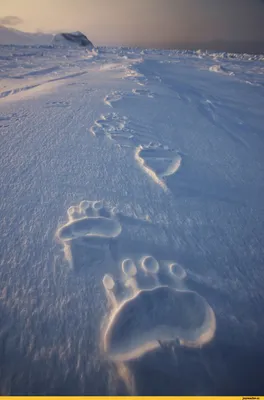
(45,84)
(153,285)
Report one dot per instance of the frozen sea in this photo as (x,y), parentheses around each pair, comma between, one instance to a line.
(132,222)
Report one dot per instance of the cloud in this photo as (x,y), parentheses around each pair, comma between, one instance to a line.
(10,20)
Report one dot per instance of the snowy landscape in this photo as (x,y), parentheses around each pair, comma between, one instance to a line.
(132,210)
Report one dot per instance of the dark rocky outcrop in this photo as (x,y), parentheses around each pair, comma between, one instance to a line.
(72,38)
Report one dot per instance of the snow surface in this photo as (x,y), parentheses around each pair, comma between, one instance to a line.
(132,210)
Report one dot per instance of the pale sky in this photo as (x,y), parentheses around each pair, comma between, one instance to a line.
(141,22)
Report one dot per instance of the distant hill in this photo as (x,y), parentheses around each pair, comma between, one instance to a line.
(16,37)
(10,36)
(19,38)
(72,39)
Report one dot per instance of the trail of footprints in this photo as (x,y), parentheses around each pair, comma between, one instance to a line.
(148,312)
(149,302)
(158,161)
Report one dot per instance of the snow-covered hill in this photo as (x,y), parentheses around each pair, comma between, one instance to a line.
(132,222)
(10,36)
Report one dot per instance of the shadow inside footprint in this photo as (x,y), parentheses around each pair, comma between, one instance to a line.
(158,315)
(88,233)
(93,226)
(158,162)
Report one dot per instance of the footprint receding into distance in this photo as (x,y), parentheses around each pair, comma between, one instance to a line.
(135,76)
(114,127)
(146,313)
(62,104)
(143,92)
(158,162)
(116,96)
(89,221)
(112,98)
(122,131)
(6,119)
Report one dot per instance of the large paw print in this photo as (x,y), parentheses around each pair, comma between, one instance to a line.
(89,221)
(146,312)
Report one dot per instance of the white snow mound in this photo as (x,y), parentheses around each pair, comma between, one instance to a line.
(220,70)
(216,68)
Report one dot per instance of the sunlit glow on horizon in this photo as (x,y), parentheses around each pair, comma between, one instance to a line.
(147,22)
